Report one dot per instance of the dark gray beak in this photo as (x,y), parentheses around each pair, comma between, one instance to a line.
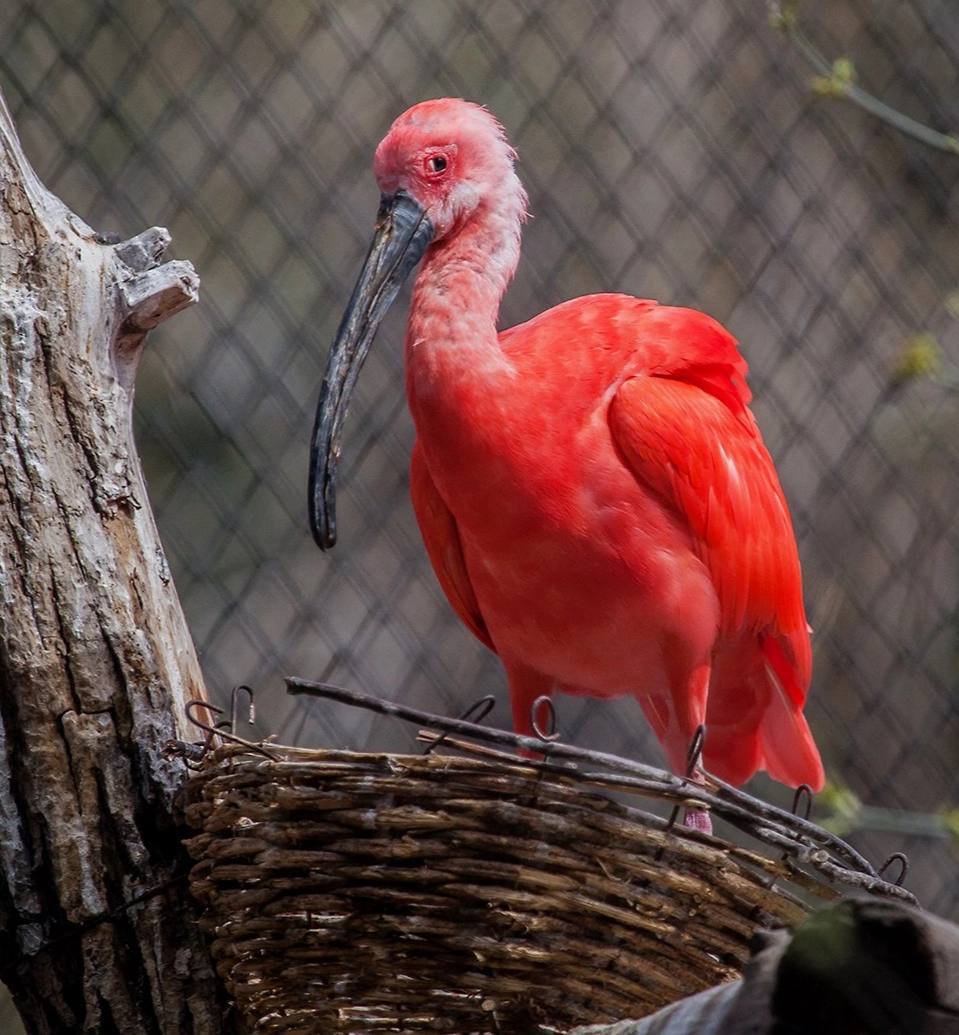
(402,235)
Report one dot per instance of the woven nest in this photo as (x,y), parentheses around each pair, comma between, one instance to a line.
(391,893)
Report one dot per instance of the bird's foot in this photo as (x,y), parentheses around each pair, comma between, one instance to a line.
(698,819)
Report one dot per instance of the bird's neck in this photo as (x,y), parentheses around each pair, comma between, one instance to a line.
(459,381)
(451,336)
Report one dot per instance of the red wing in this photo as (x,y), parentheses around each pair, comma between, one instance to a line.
(438,528)
(709,465)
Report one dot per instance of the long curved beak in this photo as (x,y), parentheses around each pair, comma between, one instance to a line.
(402,234)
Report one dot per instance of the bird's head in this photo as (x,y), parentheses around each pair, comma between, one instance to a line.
(450,157)
(444,166)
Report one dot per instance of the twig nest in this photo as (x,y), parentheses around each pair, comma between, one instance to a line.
(392,893)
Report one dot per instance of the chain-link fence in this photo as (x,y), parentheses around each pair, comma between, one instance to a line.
(674,150)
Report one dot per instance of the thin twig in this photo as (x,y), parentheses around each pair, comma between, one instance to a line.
(785,19)
(756,817)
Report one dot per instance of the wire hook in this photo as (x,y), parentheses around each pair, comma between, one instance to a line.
(903,861)
(225,733)
(693,757)
(234,706)
(476,712)
(695,753)
(803,796)
(550,733)
(210,731)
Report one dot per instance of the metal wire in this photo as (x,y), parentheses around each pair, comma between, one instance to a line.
(671,151)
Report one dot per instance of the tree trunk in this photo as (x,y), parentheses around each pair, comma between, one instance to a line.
(95,658)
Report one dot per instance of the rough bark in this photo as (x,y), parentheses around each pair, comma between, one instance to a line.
(95,658)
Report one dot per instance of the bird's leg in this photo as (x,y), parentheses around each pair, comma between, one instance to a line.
(525,687)
(698,819)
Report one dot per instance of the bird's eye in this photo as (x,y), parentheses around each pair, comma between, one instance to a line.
(436,164)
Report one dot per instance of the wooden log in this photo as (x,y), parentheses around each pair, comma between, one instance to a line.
(95,658)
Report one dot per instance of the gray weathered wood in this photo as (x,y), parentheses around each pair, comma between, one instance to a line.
(95,658)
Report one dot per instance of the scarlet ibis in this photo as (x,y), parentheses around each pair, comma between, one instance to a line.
(591,486)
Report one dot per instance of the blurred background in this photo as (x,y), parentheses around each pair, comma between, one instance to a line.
(689,152)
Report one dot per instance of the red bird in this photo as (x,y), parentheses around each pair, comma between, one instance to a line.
(591,486)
